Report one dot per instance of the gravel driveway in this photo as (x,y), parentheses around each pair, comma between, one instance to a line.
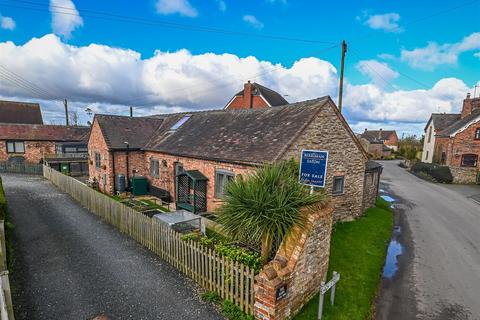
(71,265)
(439,274)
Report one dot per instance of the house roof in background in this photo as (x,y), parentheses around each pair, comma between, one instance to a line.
(461,123)
(244,136)
(377,136)
(442,120)
(272,97)
(42,132)
(120,129)
(20,112)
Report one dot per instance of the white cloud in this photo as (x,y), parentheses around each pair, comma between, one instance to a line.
(113,78)
(7,23)
(386,56)
(222,6)
(387,22)
(434,54)
(65,17)
(379,72)
(370,103)
(182,7)
(253,21)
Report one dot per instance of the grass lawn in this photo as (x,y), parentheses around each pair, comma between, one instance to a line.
(357,252)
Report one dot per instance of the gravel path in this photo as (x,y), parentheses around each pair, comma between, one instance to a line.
(439,275)
(71,265)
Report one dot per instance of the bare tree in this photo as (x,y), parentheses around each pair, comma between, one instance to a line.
(74,118)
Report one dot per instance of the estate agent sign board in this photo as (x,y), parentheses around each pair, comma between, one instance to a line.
(313,168)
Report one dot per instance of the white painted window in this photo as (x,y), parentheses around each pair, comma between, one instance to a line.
(222,178)
(15,147)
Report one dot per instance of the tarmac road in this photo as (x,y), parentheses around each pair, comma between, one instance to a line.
(439,272)
(71,265)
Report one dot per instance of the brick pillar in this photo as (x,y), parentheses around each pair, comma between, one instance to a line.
(294,276)
(272,280)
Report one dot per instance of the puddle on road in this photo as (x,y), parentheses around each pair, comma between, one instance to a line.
(395,248)
(387,198)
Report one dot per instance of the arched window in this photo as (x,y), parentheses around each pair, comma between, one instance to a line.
(469,160)
(429,134)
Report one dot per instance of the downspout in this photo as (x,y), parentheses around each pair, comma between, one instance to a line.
(113,171)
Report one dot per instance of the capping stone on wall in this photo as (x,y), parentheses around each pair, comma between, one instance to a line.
(300,265)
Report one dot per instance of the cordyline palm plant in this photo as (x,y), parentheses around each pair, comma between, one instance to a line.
(265,206)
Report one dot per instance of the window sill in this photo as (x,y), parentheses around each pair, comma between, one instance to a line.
(338,194)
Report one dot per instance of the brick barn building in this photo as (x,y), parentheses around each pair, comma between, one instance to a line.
(454,140)
(29,142)
(215,146)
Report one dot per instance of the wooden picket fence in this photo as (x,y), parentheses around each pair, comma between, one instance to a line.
(230,279)
(24,168)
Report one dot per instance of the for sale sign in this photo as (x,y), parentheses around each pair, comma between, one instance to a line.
(313,167)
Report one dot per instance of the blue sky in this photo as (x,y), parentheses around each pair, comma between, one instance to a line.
(392,55)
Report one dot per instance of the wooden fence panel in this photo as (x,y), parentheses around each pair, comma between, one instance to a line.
(231,280)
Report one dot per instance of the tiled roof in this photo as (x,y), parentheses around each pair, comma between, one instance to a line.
(371,165)
(20,112)
(246,136)
(457,125)
(443,120)
(41,132)
(373,135)
(120,129)
(273,98)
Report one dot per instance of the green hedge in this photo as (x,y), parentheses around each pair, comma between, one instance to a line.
(8,226)
(441,174)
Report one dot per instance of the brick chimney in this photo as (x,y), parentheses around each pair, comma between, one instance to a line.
(247,95)
(469,105)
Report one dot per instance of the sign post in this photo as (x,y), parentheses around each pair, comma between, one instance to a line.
(324,287)
(313,168)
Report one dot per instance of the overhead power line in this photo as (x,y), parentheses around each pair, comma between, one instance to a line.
(31,5)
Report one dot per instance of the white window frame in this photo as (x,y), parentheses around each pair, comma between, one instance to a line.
(155,168)
(221,179)
(14,145)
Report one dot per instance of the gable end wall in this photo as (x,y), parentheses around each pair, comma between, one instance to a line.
(346,158)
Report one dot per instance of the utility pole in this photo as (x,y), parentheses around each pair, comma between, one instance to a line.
(131,111)
(342,69)
(65,103)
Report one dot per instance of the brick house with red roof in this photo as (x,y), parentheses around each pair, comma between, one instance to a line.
(218,145)
(255,96)
(454,140)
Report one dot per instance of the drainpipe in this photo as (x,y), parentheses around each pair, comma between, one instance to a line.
(113,171)
(126,164)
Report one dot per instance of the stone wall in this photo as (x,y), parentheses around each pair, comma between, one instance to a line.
(345,158)
(34,150)
(464,175)
(371,184)
(300,265)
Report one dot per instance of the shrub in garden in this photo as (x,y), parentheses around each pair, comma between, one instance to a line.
(264,207)
(441,174)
